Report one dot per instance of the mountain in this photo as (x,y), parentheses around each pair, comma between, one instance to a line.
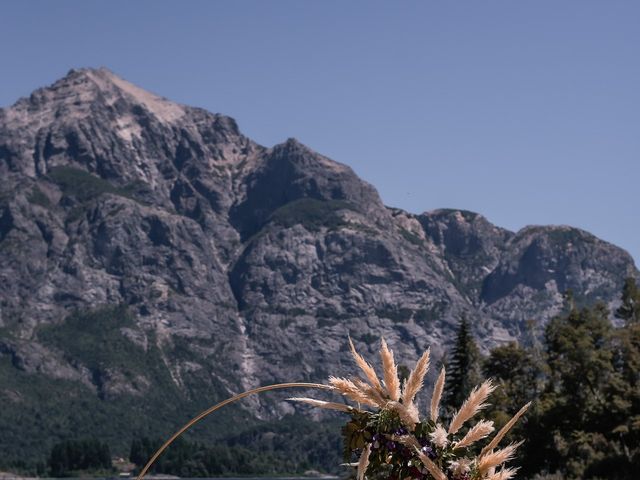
(154,260)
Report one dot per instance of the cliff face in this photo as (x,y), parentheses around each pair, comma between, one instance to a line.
(239,265)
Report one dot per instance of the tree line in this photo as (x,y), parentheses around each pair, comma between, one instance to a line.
(71,457)
(583,380)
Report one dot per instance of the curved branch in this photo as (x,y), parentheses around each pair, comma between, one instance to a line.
(217,406)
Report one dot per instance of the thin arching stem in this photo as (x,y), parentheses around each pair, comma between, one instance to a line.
(210,410)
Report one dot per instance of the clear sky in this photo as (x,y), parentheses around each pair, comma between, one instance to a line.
(525,111)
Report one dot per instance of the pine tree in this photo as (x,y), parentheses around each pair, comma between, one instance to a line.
(578,407)
(629,311)
(518,373)
(464,367)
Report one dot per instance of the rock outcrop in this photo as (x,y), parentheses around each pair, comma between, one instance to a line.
(240,264)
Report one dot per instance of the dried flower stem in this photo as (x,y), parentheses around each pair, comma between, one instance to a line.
(437,395)
(322,404)
(431,467)
(363,463)
(505,473)
(504,430)
(217,406)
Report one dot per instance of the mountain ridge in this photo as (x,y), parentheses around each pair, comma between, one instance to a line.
(237,264)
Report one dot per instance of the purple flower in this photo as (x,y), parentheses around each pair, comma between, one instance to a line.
(429,451)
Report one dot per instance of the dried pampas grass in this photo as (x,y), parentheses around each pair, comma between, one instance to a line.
(416,378)
(393,433)
(437,395)
(390,372)
(479,431)
(504,430)
(439,436)
(472,405)
(363,463)
(431,467)
(505,473)
(408,413)
(322,404)
(496,458)
(368,370)
(349,389)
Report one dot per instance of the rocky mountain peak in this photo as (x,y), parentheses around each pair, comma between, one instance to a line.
(81,91)
(94,120)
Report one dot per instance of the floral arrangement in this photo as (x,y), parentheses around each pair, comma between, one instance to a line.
(393,442)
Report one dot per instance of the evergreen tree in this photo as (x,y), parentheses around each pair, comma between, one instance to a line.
(576,424)
(464,367)
(625,392)
(629,311)
(517,373)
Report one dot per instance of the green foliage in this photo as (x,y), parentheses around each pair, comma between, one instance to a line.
(463,369)
(311,213)
(585,421)
(288,446)
(584,382)
(629,310)
(518,373)
(37,406)
(38,197)
(73,457)
(82,185)
(94,339)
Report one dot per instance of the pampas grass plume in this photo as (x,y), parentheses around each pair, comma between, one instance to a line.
(368,370)
(437,395)
(472,405)
(479,431)
(497,457)
(350,390)
(390,372)
(416,378)
(504,474)
(439,436)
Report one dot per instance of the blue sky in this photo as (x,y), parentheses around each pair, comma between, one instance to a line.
(527,112)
